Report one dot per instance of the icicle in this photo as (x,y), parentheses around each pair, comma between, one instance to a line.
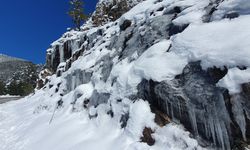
(61,52)
(193,120)
(179,108)
(219,135)
(207,128)
(172,111)
(73,82)
(226,140)
(52,57)
(239,114)
(212,129)
(167,107)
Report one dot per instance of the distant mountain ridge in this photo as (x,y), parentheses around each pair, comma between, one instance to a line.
(5,58)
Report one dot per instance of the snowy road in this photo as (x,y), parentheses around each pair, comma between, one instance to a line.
(7,99)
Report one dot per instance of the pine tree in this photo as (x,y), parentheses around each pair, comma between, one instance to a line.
(2,88)
(76,12)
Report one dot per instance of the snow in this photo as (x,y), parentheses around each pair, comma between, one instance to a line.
(158,64)
(175,135)
(155,63)
(216,43)
(242,7)
(24,126)
(140,117)
(233,80)
(9,96)
(193,12)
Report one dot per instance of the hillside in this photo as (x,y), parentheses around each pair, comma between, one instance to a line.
(17,76)
(142,75)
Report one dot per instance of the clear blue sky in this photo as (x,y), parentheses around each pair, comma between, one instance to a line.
(27,27)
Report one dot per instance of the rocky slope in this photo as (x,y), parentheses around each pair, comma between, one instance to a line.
(127,74)
(18,76)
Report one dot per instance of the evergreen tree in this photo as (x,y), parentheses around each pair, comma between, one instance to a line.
(20,88)
(2,88)
(76,12)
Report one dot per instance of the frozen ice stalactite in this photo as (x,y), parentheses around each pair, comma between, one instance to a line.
(77,78)
(61,52)
(195,101)
(238,112)
(207,121)
(192,117)
(207,106)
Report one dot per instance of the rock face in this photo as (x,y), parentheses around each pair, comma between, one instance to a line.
(111,10)
(192,98)
(18,76)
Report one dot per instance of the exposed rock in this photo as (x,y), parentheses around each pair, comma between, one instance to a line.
(175,10)
(147,136)
(125,24)
(217,73)
(43,78)
(231,15)
(174,29)
(124,120)
(246,90)
(111,10)
(161,118)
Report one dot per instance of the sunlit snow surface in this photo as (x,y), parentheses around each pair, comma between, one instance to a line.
(25,126)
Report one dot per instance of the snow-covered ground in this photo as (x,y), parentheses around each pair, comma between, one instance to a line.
(8,96)
(27,125)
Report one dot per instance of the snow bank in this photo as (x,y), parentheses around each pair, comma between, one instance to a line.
(25,126)
(158,64)
(140,117)
(193,11)
(9,96)
(242,7)
(220,43)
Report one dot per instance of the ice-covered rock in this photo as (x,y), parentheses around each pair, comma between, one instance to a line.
(176,53)
(176,57)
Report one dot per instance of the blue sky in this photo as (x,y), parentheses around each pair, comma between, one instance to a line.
(27,27)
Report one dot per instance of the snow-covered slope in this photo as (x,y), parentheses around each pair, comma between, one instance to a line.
(141,80)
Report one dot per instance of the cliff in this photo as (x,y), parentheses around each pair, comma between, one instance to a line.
(140,73)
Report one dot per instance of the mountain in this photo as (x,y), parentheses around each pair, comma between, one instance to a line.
(142,75)
(17,76)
